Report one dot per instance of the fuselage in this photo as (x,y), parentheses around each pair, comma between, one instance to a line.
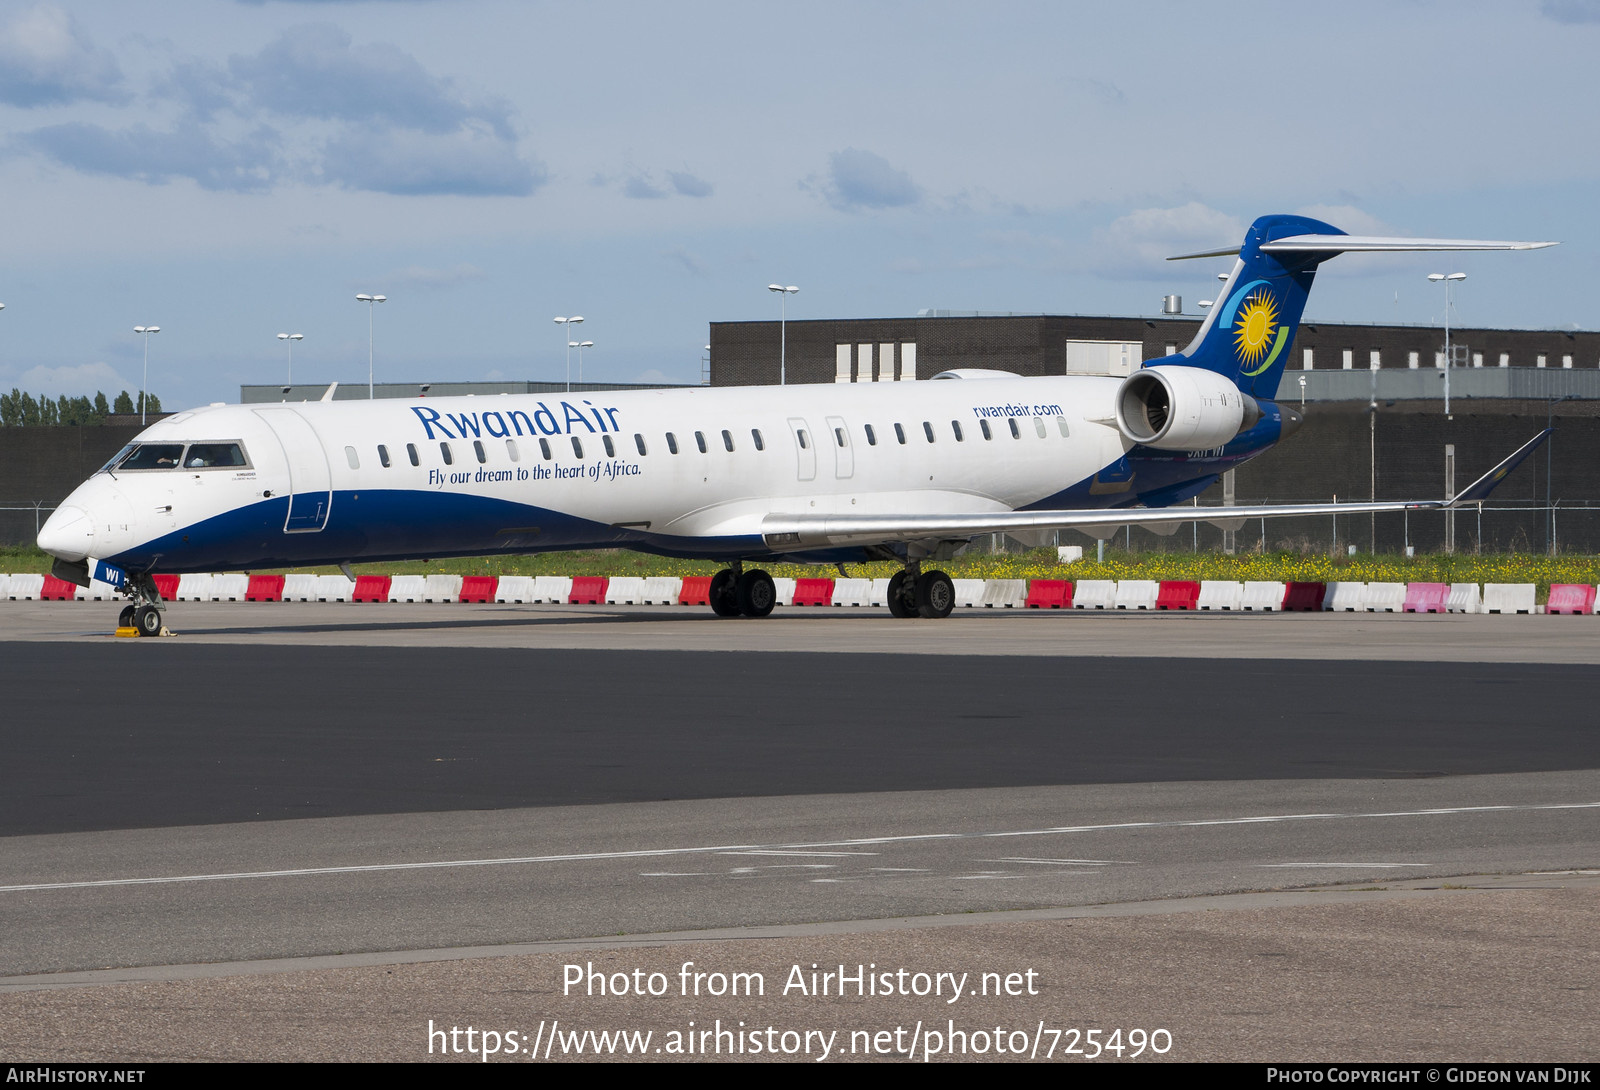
(685,472)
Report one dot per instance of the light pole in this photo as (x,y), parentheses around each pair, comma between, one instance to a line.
(1446,279)
(783,332)
(566,335)
(580,346)
(290,338)
(370,300)
(144,383)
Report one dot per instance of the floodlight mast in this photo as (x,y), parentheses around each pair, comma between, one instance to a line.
(370,300)
(289,339)
(144,383)
(566,336)
(783,333)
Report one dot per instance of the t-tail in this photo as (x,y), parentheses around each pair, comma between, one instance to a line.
(1248,336)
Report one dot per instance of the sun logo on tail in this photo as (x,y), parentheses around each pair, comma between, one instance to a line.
(1257,322)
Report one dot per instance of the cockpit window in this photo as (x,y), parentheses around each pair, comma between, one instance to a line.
(213,456)
(153,456)
(118,456)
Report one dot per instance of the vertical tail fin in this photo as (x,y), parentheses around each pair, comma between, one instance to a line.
(1249,334)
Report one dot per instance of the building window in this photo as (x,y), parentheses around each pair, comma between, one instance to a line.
(1349,359)
(1566,363)
(1539,360)
(1412,360)
(1505,359)
(1305,360)
(1374,360)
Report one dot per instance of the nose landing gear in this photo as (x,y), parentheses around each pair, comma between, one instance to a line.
(143,614)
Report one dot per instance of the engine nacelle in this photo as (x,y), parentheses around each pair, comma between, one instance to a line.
(1183,408)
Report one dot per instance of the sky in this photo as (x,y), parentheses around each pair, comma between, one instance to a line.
(233,169)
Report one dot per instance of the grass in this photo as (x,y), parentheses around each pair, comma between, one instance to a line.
(1037,564)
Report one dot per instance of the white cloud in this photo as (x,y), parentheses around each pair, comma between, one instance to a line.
(1136,246)
(47,59)
(422,276)
(84,379)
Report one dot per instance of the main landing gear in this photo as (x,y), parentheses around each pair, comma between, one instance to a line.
(912,592)
(916,593)
(144,612)
(739,593)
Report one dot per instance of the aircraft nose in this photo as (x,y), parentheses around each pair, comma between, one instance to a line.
(68,533)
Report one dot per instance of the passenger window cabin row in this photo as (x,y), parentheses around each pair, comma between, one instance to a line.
(840,437)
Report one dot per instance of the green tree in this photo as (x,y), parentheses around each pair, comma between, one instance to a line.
(124,404)
(102,408)
(11,408)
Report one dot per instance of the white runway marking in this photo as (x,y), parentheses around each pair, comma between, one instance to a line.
(1357,866)
(649,853)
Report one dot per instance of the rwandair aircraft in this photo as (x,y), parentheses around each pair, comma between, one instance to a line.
(904,472)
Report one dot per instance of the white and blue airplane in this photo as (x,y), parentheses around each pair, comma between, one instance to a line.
(907,472)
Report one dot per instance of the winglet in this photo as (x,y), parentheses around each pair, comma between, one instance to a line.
(1485,484)
(327,394)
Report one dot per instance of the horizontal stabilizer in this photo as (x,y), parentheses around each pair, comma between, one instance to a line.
(1367,244)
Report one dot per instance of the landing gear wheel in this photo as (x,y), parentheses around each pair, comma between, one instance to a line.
(147,619)
(756,593)
(898,606)
(936,595)
(125,618)
(724,597)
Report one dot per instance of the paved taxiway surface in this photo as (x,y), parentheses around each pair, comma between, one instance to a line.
(291,781)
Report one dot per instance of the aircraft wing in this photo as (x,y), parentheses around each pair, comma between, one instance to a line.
(813,531)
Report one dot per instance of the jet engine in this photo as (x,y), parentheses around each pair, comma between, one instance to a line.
(1183,408)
